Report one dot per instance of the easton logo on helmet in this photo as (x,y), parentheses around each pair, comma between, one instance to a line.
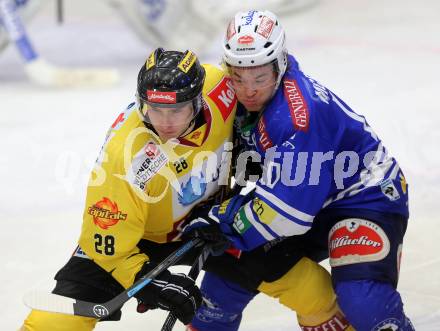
(161,97)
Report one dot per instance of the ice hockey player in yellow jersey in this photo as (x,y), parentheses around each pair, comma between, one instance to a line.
(162,155)
(160,164)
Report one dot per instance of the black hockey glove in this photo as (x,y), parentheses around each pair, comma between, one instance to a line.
(176,293)
(203,226)
(215,224)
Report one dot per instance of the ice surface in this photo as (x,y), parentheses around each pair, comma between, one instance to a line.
(381,57)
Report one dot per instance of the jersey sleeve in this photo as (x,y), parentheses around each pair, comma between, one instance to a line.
(296,181)
(113,220)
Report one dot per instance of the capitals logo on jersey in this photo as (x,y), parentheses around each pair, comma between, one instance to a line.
(106,213)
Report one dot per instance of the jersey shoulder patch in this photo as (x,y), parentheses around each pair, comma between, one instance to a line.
(218,89)
(298,107)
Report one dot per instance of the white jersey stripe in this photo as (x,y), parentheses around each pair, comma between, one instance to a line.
(284,206)
(394,172)
(284,227)
(375,177)
(355,116)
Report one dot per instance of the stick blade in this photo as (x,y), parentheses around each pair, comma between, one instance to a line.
(86,77)
(46,74)
(49,302)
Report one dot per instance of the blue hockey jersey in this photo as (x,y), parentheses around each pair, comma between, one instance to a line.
(317,153)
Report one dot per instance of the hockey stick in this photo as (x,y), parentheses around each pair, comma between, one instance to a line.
(42,72)
(193,273)
(61,304)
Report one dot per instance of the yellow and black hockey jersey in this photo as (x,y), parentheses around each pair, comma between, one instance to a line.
(142,188)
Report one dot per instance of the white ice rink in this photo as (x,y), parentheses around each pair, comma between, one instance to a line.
(381,57)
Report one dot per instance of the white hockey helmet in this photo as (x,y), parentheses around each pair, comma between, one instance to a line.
(254,38)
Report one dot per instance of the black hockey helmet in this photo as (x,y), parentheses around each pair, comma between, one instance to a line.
(171,79)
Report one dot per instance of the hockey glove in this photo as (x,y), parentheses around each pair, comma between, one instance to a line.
(202,226)
(213,224)
(176,293)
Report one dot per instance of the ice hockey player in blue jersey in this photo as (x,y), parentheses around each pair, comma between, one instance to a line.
(328,184)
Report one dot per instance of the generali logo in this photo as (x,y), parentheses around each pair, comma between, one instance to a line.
(246,40)
(264,139)
(106,213)
(161,97)
(299,111)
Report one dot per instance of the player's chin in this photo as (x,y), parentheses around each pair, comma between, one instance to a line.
(253,107)
(166,135)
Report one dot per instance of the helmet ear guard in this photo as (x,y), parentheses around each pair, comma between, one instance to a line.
(255,38)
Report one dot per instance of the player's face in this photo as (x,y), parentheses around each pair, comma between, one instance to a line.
(170,122)
(254,86)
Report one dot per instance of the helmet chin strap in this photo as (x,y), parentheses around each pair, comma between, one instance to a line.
(280,69)
(191,123)
(184,132)
(188,129)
